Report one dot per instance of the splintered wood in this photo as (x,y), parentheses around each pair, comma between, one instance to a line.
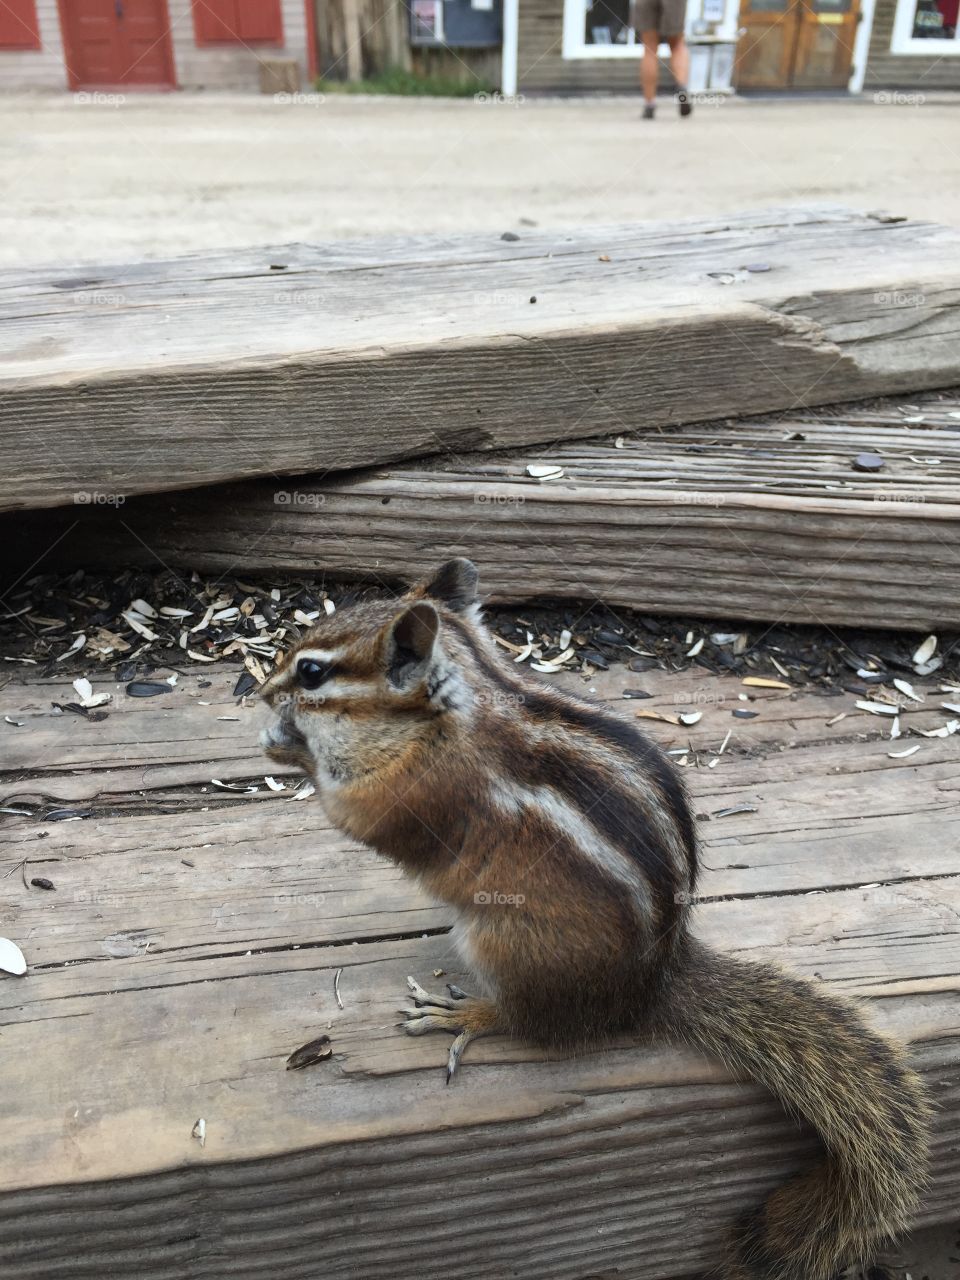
(208,1019)
(144,377)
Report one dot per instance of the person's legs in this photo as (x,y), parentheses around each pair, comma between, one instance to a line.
(680,67)
(648,69)
(679,60)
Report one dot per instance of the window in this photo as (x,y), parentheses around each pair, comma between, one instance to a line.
(237,21)
(926,27)
(605,28)
(18,25)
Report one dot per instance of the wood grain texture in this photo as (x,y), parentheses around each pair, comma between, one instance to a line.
(761,518)
(122,380)
(192,943)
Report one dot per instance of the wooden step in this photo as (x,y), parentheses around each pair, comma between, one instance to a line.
(195,937)
(763,518)
(125,379)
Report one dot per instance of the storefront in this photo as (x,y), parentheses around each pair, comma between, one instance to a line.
(569,45)
(914,45)
(857,45)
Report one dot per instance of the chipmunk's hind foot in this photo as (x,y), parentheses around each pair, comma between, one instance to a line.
(462,1016)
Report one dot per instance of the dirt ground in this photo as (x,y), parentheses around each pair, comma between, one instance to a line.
(159,174)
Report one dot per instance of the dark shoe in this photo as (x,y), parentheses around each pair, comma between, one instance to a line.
(684,103)
(649,111)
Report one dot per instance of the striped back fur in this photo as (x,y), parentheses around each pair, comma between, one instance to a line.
(563,840)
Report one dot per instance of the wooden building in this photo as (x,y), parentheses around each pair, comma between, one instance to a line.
(860,45)
(124,45)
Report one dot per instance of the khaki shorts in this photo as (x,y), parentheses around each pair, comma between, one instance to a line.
(663,16)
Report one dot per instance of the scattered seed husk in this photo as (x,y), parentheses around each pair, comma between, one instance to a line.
(907,751)
(339,974)
(657,715)
(878,708)
(732,809)
(329,607)
(950,706)
(763,682)
(842,715)
(742,714)
(314,1051)
(544,471)
(273,784)
(41,882)
(305,791)
(12,958)
(136,623)
(868,462)
(695,649)
(199,1131)
(147,688)
(201,657)
(945,730)
(87,697)
(925,651)
(907,689)
(636,693)
(17,723)
(690,717)
(245,684)
(77,645)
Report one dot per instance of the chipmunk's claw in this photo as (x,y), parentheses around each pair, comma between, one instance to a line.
(462,1016)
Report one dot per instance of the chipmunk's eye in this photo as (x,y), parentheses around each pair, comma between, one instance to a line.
(311,674)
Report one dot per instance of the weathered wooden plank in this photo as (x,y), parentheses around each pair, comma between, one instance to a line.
(756,519)
(216,970)
(371,354)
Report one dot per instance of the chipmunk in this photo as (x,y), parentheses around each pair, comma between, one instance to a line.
(563,840)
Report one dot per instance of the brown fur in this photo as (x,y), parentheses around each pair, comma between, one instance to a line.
(564,841)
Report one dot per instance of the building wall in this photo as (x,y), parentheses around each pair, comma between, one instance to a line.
(886,70)
(233,66)
(37,68)
(204,67)
(540,62)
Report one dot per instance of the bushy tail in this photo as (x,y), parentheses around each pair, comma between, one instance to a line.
(818,1056)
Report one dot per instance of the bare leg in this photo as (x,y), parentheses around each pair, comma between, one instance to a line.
(680,67)
(648,67)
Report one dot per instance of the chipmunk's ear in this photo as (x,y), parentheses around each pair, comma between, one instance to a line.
(454,584)
(411,638)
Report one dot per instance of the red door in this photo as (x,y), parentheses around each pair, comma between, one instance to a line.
(117,43)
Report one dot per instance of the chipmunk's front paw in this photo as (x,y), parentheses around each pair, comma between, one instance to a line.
(465,1017)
